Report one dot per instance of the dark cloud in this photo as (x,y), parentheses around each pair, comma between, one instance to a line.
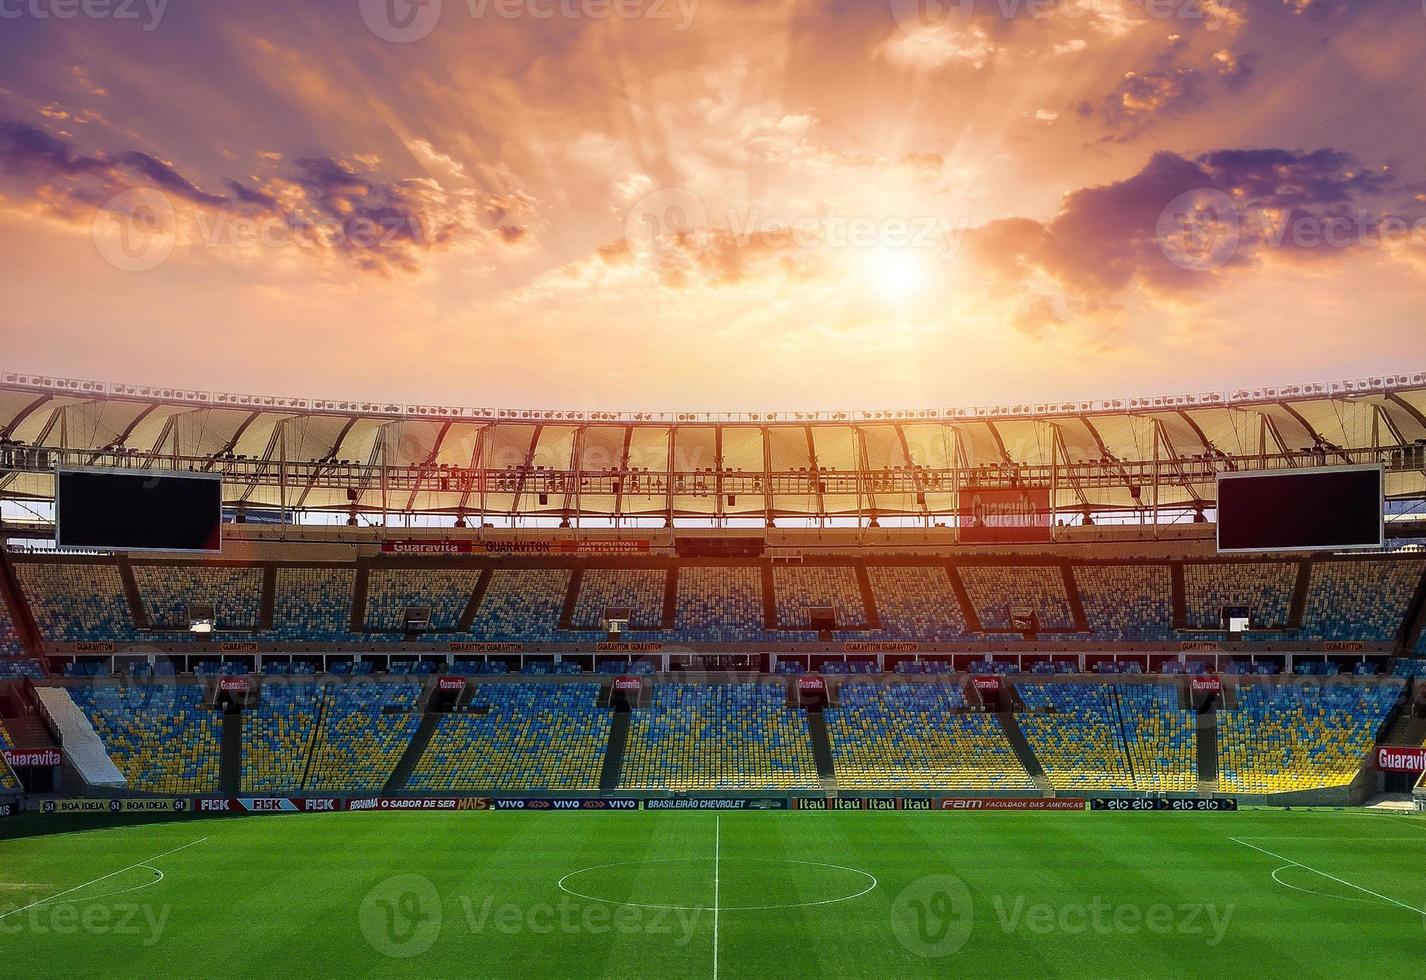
(1108,238)
(379,225)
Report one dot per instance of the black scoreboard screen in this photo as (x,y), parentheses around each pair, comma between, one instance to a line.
(129,510)
(1320,509)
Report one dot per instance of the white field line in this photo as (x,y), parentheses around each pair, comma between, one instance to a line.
(1340,881)
(94,881)
(717,858)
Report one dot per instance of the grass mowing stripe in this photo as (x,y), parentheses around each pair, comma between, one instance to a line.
(1340,881)
(717,859)
(95,881)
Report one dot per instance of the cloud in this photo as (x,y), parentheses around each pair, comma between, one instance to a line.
(1111,238)
(337,205)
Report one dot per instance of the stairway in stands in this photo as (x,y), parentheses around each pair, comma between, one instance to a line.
(613,769)
(1024,753)
(230,758)
(412,756)
(822,752)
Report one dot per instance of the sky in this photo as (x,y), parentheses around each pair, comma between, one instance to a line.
(718,205)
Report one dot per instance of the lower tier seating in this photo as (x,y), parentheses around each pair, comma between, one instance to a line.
(719,737)
(519,737)
(910,736)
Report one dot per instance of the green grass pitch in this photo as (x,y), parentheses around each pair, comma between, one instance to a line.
(694,894)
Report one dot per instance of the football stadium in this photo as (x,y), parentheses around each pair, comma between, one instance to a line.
(963,718)
(712,489)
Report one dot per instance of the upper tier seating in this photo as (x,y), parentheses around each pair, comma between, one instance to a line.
(1306,735)
(1359,600)
(640,590)
(1133,603)
(995,590)
(720,604)
(235,593)
(160,736)
(10,642)
(522,605)
(916,603)
(801,586)
(314,604)
(76,601)
(519,737)
(1264,587)
(445,591)
(910,736)
(705,737)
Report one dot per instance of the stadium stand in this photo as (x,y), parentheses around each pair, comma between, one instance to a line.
(1074,731)
(1289,737)
(743,736)
(313,603)
(913,736)
(77,601)
(1132,603)
(362,730)
(445,591)
(719,604)
(278,736)
(522,605)
(1359,600)
(7,778)
(160,736)
(801,586)
(1264,587)
(519,736)
(1161,737)
(235,593)
(10,643)
(916,603)
(995,590)
(640,590)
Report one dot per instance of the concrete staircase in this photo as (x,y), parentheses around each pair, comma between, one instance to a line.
(822,752)
(613,769)
(1024,753)
(396,783)
(230,759)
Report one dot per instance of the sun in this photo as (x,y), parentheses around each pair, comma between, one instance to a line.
(897,273)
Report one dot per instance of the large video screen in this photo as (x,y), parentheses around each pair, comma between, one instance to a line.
(1326,508)
(124,510)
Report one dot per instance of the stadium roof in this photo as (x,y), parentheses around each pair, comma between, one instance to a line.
(312,454)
